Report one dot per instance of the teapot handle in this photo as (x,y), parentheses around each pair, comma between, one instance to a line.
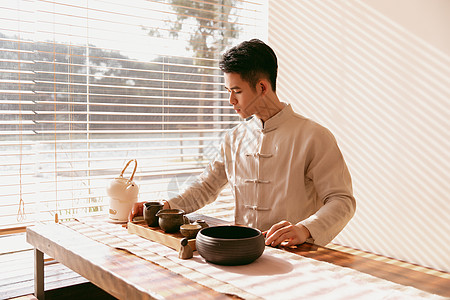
(126,166)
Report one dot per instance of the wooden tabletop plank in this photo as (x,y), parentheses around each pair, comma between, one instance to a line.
(395,273)
(123,275)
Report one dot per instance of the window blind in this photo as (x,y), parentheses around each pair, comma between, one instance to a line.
(88,85)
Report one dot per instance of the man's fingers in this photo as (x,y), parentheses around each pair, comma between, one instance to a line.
(135,211)
(276,227)
(278,233)
(282,235)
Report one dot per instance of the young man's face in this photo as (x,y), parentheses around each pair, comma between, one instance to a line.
(243,98)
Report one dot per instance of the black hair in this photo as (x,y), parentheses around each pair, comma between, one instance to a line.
(252,60)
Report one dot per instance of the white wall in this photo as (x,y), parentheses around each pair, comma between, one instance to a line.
(377,74)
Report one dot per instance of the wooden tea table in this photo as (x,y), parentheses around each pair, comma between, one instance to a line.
(127,276)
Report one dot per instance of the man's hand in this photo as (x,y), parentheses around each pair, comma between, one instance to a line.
(286,234)
(138,210)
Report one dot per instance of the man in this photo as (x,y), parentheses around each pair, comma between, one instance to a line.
(287,174)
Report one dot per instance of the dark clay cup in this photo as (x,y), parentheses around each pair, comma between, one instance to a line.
(150,210)
(170,220)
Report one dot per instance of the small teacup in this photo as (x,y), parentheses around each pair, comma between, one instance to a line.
(190,230)
(202,223)
(150,210)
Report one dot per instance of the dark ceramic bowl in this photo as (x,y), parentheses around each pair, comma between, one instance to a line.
(230,245)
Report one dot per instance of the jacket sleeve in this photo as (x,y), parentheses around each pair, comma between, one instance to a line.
(205,189)
(333,185)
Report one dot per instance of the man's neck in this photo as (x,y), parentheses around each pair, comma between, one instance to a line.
(269,107)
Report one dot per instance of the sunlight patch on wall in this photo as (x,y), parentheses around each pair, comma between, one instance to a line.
(385,94)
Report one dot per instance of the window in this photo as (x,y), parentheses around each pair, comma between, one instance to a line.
(88,85)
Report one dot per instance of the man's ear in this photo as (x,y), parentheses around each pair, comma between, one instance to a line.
(264,86)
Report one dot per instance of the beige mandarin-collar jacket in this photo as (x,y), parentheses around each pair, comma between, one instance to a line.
(290,169)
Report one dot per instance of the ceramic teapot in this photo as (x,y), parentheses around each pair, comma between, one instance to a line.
(123,193)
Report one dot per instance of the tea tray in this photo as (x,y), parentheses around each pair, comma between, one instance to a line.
(156,234)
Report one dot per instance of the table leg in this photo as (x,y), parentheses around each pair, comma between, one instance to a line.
(39,274)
